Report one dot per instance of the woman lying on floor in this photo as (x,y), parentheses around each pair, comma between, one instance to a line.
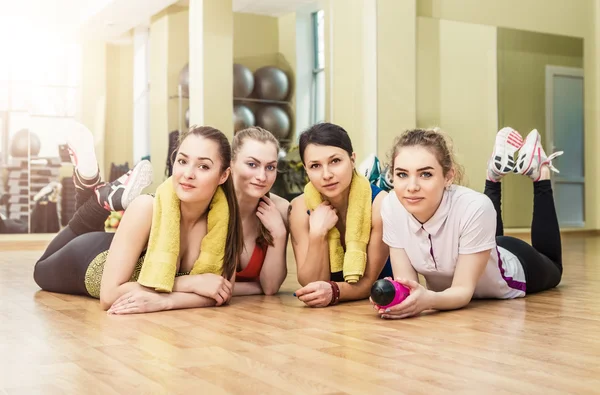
(453,236)
(263,264)
(336,224)
(191,226)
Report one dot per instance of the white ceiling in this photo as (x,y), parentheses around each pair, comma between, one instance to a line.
(119,16)
(110,19)
(275,8)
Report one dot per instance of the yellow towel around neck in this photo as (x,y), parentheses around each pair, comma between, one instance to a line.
(160,263)
(358,229)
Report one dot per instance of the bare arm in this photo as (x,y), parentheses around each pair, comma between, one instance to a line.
(377,254)
(401,266)
(469,269)
(185,300)
(310,249)
(208,285)
(125,250)
(247,288)
(274,269)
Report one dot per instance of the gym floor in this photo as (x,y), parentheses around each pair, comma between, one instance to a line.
(62,344)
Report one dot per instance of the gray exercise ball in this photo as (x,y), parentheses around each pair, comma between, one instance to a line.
(275,120)
(184,80)
(187,118)
(243,81)
(19,141)
(271,83)
(243,117)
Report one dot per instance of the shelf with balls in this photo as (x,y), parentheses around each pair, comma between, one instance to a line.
(263,96)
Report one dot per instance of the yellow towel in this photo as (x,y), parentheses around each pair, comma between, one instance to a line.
(160,263)
(358,229)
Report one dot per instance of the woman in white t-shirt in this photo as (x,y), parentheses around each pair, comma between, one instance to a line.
(453,235)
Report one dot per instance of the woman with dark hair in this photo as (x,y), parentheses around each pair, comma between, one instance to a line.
(336,225)
(191,226)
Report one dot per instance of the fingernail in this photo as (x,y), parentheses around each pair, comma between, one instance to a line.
(294,293)
(387,311)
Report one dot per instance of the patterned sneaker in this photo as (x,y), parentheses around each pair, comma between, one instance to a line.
(370,168)
(116,195)
(502,162)
(386,180)
(86,174)
(532,157)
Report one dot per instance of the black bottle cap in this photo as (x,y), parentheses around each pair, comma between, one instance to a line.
(383,292)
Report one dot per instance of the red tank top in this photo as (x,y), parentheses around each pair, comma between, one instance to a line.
(251,273)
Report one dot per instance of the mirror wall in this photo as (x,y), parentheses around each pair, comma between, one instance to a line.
(38,101)
(474,79)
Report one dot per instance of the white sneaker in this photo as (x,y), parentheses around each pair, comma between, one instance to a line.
(532,157)
(83,156)
(502,162)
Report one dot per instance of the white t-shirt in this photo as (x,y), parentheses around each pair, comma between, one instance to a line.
(464,223)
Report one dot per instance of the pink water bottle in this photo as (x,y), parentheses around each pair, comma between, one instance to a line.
(387,293)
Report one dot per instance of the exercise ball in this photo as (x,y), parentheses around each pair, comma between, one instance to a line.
(184,80)
(243,81)
(187,118)
(275,120)
(271,83)
(18,145)
(243,117)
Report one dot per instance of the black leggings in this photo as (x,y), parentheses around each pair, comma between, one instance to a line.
(542,261)
(63,265)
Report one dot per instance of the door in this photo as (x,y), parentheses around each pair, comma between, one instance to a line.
(565,132)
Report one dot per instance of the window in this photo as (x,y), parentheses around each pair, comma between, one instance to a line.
(318,83)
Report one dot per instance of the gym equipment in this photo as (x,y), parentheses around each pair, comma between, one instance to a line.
(18,145)
(243,117)
(271,83)
(243,81)
(275,120)
(387,293)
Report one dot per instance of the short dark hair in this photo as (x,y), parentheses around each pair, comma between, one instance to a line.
(325,134)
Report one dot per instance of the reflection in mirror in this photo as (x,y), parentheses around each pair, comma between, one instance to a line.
(38,103)
(532,96)
(472,80)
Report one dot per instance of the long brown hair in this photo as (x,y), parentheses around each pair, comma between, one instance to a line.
(234,244)
(438,142)
(261,135)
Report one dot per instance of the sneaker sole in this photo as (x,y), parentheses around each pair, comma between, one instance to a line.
(140,178)
(524,158)
(509,142)
(82,151)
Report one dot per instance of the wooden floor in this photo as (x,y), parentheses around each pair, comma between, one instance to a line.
(543,344)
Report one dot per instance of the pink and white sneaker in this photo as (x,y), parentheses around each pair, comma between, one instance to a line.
(117,195)
(532,157)
(503,160)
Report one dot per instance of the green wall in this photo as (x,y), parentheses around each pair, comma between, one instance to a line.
(522,58)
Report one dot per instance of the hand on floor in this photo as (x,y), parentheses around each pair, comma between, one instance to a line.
(417,302)
(315,294)
(138,301)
